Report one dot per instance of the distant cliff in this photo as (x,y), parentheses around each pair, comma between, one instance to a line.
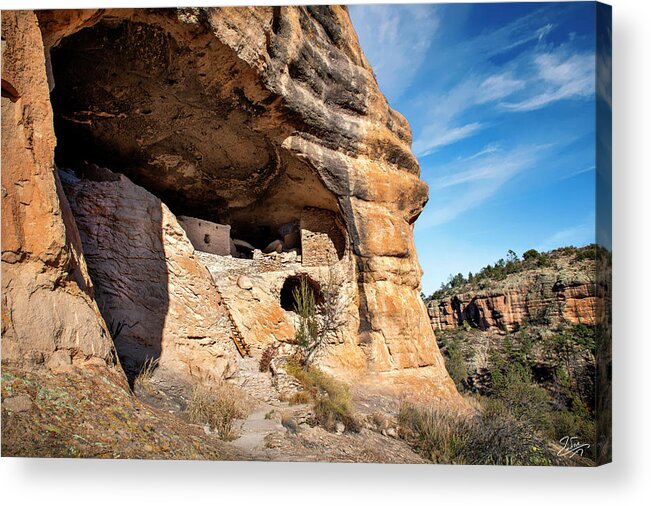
(544,289)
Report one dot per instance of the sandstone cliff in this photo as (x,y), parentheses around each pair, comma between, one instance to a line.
(564,291)
(244,116)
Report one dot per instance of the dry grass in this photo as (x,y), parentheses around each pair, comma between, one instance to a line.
(380,420)
(330,398)
(218,407)
(145,375)
(458,439)
(302,397)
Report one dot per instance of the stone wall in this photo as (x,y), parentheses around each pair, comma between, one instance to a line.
(322,240)
(158,299)
(207,236)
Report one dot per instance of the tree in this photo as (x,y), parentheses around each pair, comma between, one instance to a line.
(307,328)
(319,322)
(531,254)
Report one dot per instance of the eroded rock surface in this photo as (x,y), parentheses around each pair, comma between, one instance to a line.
(49,316)
(566,292)
(158,299)
(243,116)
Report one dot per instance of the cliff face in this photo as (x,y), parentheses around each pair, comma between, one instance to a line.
(49,315)
(245,116)
(564,293)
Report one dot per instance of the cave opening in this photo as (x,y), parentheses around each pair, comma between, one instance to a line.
(137,99)
(291,285)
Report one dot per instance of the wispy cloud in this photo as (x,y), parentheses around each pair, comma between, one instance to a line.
(560,76)
(475,179)
(498,86)
(531,79)
(435,136)
(395,40)
(591,168)
(577,235)
(445,127)
(506,38)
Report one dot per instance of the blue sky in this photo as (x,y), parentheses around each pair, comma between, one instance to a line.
(501,101)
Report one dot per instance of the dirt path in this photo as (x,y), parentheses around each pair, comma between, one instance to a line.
(253,431)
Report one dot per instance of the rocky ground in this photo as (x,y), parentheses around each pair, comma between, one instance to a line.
(93,414)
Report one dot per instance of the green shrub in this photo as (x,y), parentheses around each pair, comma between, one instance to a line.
(523,400)
(587,253)
(307,329)
(543,260)
(531,254)
(456,365)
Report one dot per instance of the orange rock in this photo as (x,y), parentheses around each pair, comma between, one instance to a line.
(254,101)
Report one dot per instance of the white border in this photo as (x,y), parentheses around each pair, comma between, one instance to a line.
(627,481)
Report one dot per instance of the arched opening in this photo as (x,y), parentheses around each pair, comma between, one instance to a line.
(132,97)
(293,283)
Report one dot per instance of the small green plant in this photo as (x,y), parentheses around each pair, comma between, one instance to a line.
(319,321)
(307,330)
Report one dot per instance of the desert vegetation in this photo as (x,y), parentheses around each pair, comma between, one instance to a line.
(488,438)
(318,322)
(511,264)
(218,408)
(539,379)
(331,399)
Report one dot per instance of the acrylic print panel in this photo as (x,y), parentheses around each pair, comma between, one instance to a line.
(369,234)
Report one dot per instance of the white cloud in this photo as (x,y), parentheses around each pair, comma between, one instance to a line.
(533,79)
(443,129)
(508,37)
(395,40)
(591,168)
(470,182)
(498,86)
(491,148)
(561,76)
(435,136)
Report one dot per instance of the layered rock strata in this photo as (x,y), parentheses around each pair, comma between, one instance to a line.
(543,296)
